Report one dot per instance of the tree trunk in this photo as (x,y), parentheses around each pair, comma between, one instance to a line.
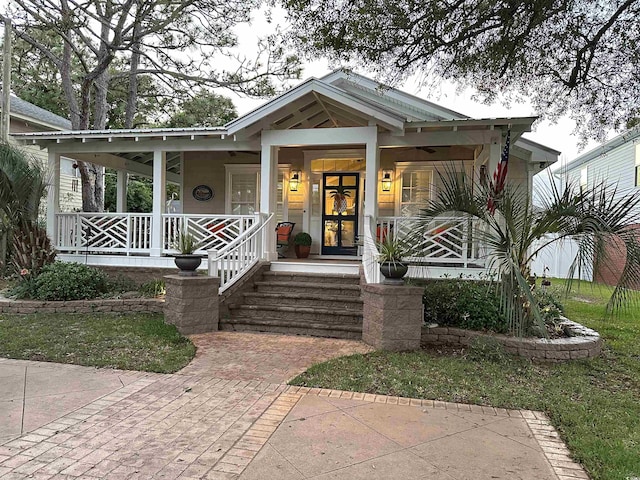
(132,97)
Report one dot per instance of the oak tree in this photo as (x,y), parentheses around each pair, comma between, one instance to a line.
(179,44)
(580,57)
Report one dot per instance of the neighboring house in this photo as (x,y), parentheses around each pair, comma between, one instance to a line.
(614,162)
(26,117)
(281,162)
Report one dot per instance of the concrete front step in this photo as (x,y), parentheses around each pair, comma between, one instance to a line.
(305,300)
(335,279)
(274,325)
(297,314)
(328,289)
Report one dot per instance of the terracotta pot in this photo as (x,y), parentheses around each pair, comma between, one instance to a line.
(393,272)
(302,251)
(187,263)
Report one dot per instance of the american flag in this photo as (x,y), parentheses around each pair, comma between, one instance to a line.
(499,177)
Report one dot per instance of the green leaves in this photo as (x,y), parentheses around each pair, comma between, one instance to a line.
(596,218)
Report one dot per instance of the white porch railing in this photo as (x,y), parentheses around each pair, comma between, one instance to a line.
(442,241)
(103,232)
(210,231)
(236,258)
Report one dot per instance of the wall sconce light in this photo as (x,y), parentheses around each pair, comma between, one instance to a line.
(386,180)
(294,181)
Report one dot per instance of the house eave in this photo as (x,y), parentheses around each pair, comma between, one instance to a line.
(629,135)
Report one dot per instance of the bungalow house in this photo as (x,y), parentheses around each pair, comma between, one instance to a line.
(25,117)
(284,161)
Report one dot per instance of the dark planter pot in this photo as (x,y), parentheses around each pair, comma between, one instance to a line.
(393,272)
(302,251)
(187,263)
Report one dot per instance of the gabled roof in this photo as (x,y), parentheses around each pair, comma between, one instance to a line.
(32,113)
(333,95)
(340,99)
(423,109)
(628,136)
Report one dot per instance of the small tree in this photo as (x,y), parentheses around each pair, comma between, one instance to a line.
(23,182)
(592,217)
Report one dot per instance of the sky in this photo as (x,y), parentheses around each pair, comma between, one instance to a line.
(558,136)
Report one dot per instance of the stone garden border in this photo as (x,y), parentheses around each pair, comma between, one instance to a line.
(584,342)
(140,305)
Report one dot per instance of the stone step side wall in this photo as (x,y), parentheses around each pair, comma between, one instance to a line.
(139,305)
(586,343)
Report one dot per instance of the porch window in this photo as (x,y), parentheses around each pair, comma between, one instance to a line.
(415,188)
(243,190)
(244,193)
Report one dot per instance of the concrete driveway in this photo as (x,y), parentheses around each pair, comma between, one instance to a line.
(228,415)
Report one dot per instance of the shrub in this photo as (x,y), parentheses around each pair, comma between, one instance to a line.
(153,289)
(303,239)
(70,281)
(465,304)
(476,305)
(549,303)
(120,284)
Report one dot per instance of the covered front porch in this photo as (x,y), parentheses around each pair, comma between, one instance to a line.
(345,167)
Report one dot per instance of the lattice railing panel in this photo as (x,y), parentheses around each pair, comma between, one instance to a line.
(443,240)
(103,232)
(212,232)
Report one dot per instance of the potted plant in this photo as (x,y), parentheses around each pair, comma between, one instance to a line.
(340,195)
(391,252)
(187,261)
(302,244)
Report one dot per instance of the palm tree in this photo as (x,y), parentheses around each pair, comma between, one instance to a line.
(517,231)
(23,183)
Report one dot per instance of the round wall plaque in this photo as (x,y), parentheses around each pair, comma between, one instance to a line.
(202,193)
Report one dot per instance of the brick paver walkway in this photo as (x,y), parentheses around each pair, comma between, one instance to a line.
(258,356)
(207,421)
(211,419)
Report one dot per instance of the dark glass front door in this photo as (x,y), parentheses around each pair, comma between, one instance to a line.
(340,213)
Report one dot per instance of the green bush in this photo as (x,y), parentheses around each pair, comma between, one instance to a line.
(475,305)
(302,239)
(466,304)
(70,281)
(548,300)
(153,289)
(120,284)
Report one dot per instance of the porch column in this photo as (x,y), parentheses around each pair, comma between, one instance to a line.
(121,191)
(268,186)
(371,182)
(159,200)
(53,194)
(495,151)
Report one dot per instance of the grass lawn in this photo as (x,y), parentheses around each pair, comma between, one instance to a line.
(128,341)
(594,404)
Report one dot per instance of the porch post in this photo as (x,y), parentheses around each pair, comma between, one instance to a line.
(371,182)
(159,200)
(121,192)
(495,151)
(268,185)
(53,194)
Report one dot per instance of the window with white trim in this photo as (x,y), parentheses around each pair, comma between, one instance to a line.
(243,190)
(416,183)
(584,177)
